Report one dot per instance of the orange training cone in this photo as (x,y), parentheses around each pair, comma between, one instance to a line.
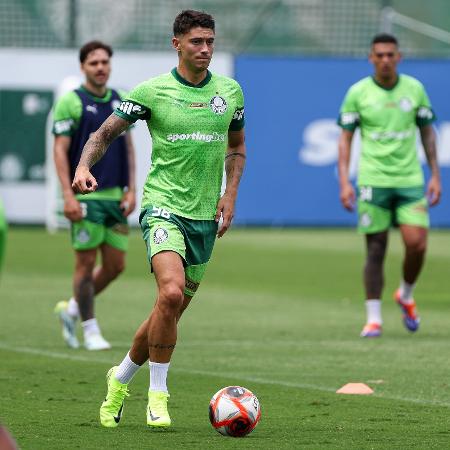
(355,388)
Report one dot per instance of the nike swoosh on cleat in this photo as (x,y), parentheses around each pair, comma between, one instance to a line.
(119,415)
(152,416)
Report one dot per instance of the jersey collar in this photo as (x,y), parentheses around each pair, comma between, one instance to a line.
(106,98)
(182,80)
(384,87)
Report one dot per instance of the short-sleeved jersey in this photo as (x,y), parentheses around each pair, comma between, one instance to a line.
(388,119)
(189,126)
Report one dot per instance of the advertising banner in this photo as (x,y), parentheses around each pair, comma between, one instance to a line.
(291,107)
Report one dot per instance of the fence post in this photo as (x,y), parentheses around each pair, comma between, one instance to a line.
(73,15)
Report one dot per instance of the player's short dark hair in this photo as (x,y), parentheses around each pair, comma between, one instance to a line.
(384,38)
(91,46)
(189,19)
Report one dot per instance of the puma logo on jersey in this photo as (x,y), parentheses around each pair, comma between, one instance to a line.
(92,109)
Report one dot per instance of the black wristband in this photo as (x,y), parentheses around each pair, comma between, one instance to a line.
(235,154)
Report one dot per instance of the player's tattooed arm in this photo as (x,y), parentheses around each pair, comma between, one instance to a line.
(234,161)
(428,137)
(99,141)
(234,166)
(96,146)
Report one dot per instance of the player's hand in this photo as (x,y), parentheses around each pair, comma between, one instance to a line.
(225,209)
(128,203)
(434,190)
(83,181)
(72,209)
(348,197)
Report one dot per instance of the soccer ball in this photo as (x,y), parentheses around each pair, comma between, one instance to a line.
(234,411)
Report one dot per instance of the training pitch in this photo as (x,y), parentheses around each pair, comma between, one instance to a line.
(279,312)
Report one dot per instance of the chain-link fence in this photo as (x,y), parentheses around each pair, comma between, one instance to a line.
(321,27)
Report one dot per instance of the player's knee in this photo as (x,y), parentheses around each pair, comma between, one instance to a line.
(84,271)
(170,299)
(85,263)
(114,269)
(416,246)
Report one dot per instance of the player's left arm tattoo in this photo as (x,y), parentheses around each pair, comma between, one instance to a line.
(99,141)
(234,160)
(428,137)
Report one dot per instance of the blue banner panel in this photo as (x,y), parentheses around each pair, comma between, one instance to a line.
(291,106)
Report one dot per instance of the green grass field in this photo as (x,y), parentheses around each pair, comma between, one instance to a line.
(279,312)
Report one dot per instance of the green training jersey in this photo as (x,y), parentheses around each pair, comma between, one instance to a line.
(388,119)
(189,126)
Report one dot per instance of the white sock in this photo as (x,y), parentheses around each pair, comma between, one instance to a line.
(90,327)
(373,310)
(126,370)
(158,376)
(72,308)
(406,291)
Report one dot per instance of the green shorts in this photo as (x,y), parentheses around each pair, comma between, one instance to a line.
(3,230)
(380,208)
(192,239)
(103,223)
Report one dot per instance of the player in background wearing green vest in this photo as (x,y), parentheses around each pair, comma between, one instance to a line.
(196,120)
(388,108)
(98,220)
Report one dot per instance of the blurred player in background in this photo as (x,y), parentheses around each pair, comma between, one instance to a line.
(196,120)
(388,107)
(98,220)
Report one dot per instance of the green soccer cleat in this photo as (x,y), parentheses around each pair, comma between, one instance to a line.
(68,324)
(157,414)
(112,408)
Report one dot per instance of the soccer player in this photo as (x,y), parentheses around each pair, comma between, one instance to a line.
(388,108)
(98,220)
(196,120)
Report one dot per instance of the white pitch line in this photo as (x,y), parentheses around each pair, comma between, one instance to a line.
(80,358)
(50,354)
